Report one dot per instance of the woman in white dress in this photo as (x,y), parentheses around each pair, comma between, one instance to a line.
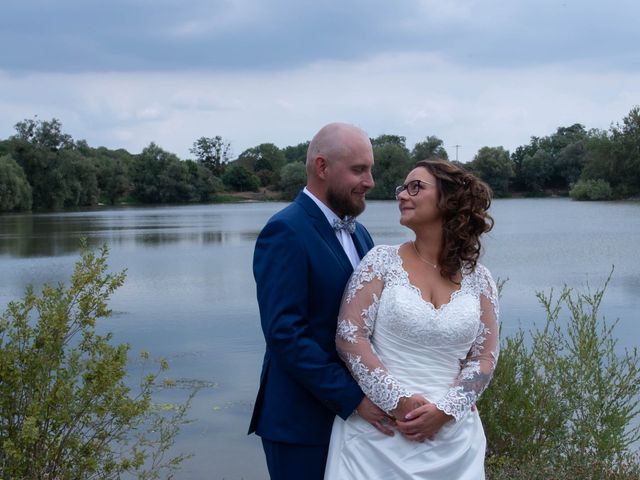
(418,329)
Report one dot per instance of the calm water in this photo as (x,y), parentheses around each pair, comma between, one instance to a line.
(190,297)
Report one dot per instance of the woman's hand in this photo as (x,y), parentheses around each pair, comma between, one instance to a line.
(422,423)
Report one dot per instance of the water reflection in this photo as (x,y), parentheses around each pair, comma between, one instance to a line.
(51,235)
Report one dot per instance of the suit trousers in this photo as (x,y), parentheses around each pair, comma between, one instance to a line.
(287,461)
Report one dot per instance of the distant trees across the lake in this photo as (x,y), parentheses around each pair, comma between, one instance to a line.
(44,168)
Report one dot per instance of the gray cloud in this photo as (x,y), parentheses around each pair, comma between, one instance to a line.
(472,72)
(218,35)
(414,95)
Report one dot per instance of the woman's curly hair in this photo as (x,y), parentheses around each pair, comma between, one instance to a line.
(464,201)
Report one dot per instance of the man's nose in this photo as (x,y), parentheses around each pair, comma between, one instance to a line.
(368,181)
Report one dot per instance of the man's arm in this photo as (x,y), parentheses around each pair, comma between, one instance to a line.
(281,273)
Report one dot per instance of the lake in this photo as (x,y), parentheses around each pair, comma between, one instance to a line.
(190,297)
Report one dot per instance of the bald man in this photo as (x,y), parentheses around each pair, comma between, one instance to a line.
(302,261)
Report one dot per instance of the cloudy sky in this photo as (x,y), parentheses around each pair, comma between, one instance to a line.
(124,73)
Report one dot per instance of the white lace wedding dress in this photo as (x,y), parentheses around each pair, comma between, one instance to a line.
(396,344)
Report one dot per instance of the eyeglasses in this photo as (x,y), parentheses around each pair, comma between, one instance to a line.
(412,187)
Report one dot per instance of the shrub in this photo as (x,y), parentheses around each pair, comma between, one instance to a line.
(567,405)
(591,190)
(65,409)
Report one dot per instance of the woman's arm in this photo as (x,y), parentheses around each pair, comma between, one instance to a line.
(356,323)
(477,368)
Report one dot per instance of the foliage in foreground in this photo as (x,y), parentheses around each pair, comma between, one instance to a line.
(65,409)
(566,404)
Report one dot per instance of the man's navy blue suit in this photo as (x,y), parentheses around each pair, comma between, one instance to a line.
(301,270)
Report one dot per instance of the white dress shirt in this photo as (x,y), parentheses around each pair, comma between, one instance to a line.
(343,236)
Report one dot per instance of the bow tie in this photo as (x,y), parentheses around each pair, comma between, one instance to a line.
(348,224)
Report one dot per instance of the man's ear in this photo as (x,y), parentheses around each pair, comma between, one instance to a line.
(321,165)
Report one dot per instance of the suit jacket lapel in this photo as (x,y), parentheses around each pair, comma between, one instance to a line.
(325,230)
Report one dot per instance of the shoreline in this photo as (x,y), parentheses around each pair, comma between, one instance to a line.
(265,195)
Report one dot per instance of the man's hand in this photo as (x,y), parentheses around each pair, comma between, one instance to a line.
(423,422)
(407,405)
(375,416)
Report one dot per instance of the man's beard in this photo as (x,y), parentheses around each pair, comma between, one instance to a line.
(342,203)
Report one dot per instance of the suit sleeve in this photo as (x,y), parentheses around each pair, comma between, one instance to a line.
(281,271)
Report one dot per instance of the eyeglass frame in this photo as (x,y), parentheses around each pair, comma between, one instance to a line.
(405,186)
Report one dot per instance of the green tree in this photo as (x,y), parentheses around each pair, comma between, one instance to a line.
(160,177)
(265,160)
(614,156)
(386,139)
(293,178)
(599,157)
(296,153)
(212,152)
(552,162)
(205,184)
(625,171)
(113,174)
(5,147)
(66,410)
(61,173)
(15,191)
(494,166)
(78,179)
(430,147)
(36,149)
(569,163)
(536,171)
(520,181)
(566,148)
(392,164)
(240,179)
(44,134)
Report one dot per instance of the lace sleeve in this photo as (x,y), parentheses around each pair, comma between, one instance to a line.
(478,366)
(356,323)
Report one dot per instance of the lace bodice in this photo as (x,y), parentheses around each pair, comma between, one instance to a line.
(397,344)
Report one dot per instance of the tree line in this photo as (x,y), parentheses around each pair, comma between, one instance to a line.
(44,168)
(587,164)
